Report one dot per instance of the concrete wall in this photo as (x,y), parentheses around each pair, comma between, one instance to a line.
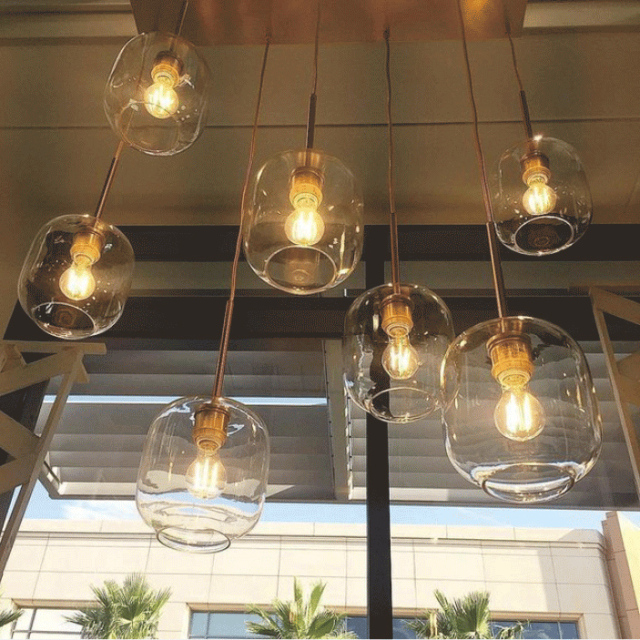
(529,573)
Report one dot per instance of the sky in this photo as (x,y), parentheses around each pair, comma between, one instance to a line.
(43,507)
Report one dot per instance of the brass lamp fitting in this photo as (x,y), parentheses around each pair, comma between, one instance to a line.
(535,163)
(511,359)
(396,315)
(306,181)
(210,428)
(167,67)
(89,244)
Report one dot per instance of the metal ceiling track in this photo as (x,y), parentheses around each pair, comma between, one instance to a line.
(216,22)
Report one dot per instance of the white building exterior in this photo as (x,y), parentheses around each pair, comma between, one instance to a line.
(531,574)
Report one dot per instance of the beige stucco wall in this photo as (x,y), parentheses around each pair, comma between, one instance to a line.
(530,573)
(623,558)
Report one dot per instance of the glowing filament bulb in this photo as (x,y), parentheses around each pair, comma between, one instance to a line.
(519,414)
(206,476)
(539,198)
(399,359)
(160,99)
(304,226)
(77,282)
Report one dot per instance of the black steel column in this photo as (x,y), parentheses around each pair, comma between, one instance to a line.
(379,605)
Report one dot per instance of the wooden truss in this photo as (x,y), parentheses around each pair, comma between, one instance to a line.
(624,373)
(27,450)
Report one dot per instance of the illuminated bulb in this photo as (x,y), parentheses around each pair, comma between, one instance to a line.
(539,198)
(206,476)
(77,282)
(160,99)
(399,359)
(519,414)
(304,226)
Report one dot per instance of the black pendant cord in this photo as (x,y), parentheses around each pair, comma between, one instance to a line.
(391,183)
(313,98)
(228,313)
(106,187)
(494,249)
(524,106)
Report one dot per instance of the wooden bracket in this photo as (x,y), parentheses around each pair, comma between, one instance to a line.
(27,450)
(624,373)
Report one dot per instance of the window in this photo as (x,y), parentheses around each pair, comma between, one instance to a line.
(221,624)
(543,628)
(45,623)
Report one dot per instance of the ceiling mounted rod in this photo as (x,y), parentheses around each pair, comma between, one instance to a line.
(106,187)
(228,314)
(313,98)
(494,249)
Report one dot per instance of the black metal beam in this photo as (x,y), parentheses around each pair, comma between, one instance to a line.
(379,593)
(192,320)
(214,243)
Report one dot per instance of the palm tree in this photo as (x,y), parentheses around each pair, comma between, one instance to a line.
(299,619)
(466,617)
(7,616)
(128,611)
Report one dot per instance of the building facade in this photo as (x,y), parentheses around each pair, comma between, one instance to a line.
(567,583)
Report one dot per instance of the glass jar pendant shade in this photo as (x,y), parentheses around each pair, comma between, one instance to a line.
(200,499)
(76,277)
(541,199)
(521,418)
(393,348)
(156,96)
(303,225)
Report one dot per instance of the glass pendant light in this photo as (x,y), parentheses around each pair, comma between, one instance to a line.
(541,198)
(202,479)
(156,96)
(303,227)
(521,418)
(396,334)
(76,277)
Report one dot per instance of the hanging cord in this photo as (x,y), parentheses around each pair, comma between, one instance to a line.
(181,16)
(524,106)
(313,98)
(228,312)
(106,187)
(496,266)
(393,218)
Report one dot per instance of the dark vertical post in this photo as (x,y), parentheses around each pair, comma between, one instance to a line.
(379,606)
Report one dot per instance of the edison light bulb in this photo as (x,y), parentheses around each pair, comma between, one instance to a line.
(305,226)
(206,476)
(160,99)
(539,198)
(77,282)
(399,359)
(519,414)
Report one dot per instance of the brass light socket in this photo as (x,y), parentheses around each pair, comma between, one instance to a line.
(88,243)
(167,65)
(306,180)
(396,315)
(210,428)
(534,163)
(511,359)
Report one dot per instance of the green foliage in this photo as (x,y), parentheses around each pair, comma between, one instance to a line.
(466,617)
(128,611)
(7,616)
(300,618)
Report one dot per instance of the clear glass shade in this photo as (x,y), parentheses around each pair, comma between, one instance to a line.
(396,379)
(303,225)
(156,96)
(76,277)
(185,516)
(541,199)
(530,437)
